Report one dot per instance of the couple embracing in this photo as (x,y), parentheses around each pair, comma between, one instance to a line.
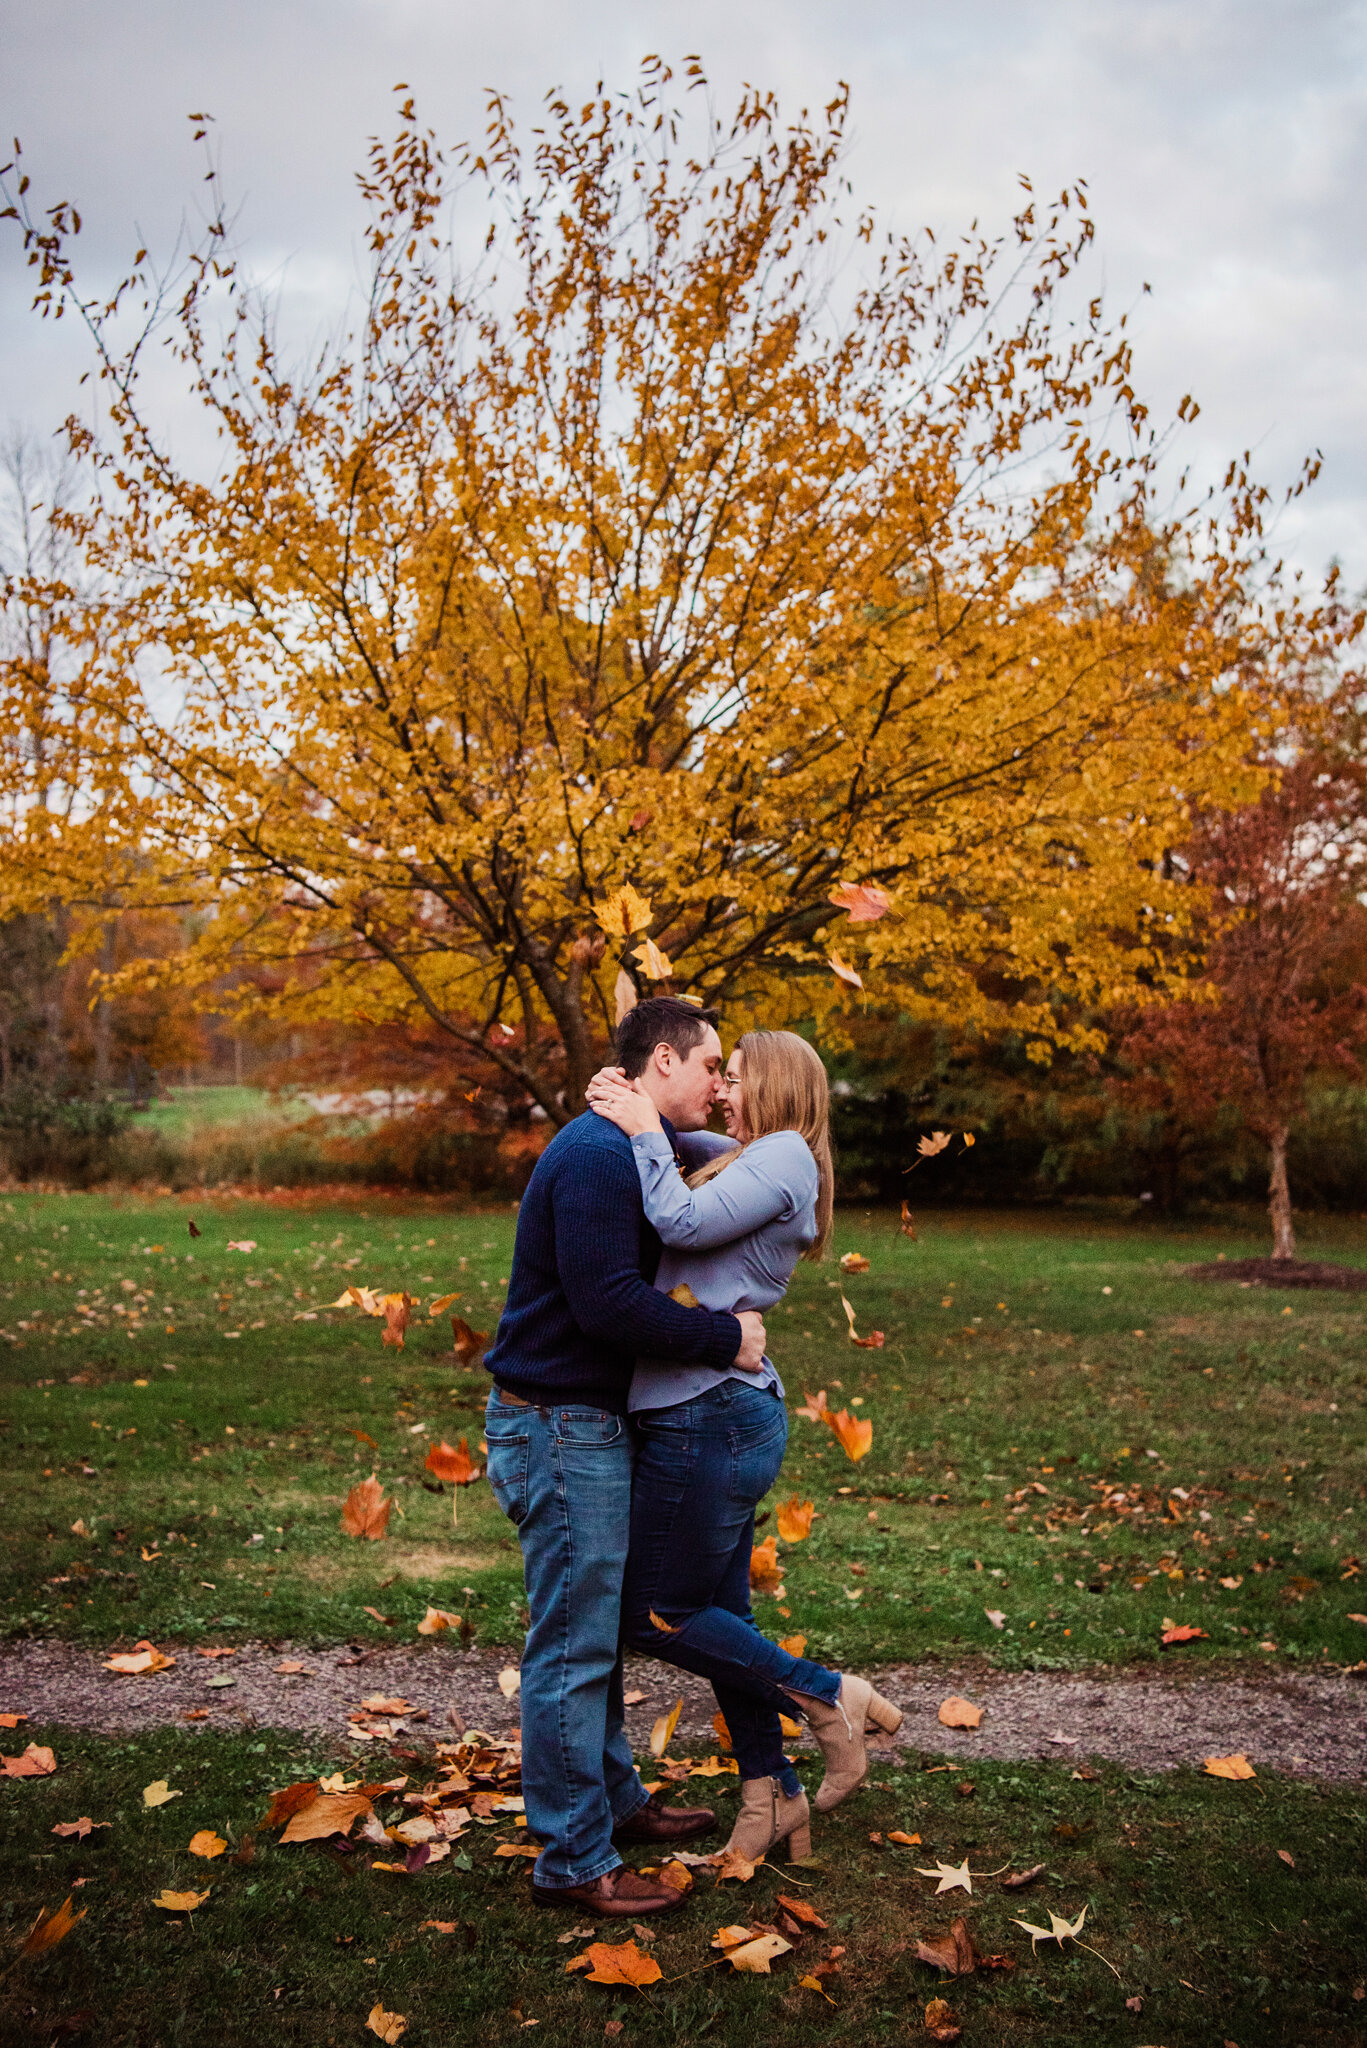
(634,1424)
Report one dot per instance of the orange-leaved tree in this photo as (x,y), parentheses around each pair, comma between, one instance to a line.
(690,555)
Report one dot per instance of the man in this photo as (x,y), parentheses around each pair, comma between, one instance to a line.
(580,1310)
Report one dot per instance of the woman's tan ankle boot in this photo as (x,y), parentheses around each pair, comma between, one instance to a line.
(839,1728)
(767,1817)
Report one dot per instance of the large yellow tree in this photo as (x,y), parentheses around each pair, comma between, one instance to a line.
(699,543)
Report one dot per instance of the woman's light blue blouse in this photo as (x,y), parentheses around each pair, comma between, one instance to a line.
(735,1240)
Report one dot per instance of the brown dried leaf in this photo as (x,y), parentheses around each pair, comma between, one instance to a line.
(331,1813)
(36,1762)
(952,1951)
(50,1928)
(800,1910)
(766,1571)
(455,1465)
(365,1511)
(941,2023)
(620,1963)
(957,1712)
(1019,1879)
(467,1343)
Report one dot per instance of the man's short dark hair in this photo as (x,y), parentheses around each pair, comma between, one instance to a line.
(660,1020)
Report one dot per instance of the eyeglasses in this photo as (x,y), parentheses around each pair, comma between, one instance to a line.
(729,1081)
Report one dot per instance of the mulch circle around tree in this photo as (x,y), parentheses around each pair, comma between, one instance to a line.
(1283,1273)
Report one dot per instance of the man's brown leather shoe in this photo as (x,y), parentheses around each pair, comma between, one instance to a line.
(656,1822)
(621,1895)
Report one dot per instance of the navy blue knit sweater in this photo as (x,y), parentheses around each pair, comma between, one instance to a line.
(580,1307)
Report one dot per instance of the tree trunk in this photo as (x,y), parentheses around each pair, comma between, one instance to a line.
(1279,1198)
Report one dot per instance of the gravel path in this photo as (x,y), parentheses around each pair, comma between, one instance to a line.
(1308,1723)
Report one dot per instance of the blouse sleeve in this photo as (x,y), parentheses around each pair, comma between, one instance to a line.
(762,1185)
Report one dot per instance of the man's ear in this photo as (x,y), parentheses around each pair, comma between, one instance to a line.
(662,1058)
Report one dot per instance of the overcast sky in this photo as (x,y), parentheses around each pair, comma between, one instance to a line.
(1224,141)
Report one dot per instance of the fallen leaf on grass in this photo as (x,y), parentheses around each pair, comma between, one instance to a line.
(662,1734)
(957,1712)
(291,1798)
(143,1658)
(800,1910)
(1019,1879)
(509,1681)
(158,1793)
(390,2026)
(12,1720)
(50,1928)
(754,1957)
(952,1876)
(1135,2004)
(854,1262)
(330,1813)
(766,1568)
(873,1342)
(436,1619)
(1287,1858)
(385,1620)
(941,2023)
(996,1616)
(815,1406)
(795,1520)
(731,1864)
(36,1762)
(953,1951)
(207,1844)
(444,1926)
(794,1645)
(517,1849)
(677,1876)
(620,1963)
(907,1841)
(1232,1585)
(1359,1617)
(1181,1632)
(1058,1930)
(290,1667)
(181,1902)
(241,1244)
(1237,1766)
(815,1984)
(80,1828)
(365,1512)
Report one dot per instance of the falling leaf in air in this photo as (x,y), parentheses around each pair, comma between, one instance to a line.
(398,1313)
(654,964)
(241,1244)
(854,1262)
(1058,1930)
(908,1223)
(624,912)
(1181,1632)
(864,901)
(365,1511)
(467,1343)
(455,1465)
(852,1433)
(140,1661)
(936,1142)
(436,1619)
(969,1140)
(207,1844)
(181,1902)
(795,1645)
(441,1304)
(815,1408)
(195,1230)
(36,1762)
(957,1712)
(327,1814)
(158,1793)
(684,1295)
(766,1569)
(951,1951)
(358,1297)
(12,1720)
(624,997)
(844,971)
(509,1681)
(390,2026)
(800,1910)
(662,1734)
(754,1957)
(941,2023)
(873,1342)
(50,1928)
(952,1876)
(619,1963)
(1236,1766)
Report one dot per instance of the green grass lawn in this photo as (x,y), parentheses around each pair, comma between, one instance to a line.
(1065,1431)
(196,1412)
(1191,1910)
(184,1110)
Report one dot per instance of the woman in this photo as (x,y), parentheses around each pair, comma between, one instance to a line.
(712,1441)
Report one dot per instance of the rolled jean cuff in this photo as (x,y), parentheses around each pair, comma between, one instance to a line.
(570,1884)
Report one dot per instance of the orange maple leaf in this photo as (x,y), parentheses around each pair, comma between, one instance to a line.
(398,1313)
(795,1519)
(852,1433)
(365,1511)
(874,1340)
(766,1572)
(50,1928)
(864,901)
(468,1343)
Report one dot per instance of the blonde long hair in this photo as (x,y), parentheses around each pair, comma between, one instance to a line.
(785,1090)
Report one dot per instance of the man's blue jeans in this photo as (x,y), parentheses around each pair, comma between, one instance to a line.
(563,1476)
(701,1467)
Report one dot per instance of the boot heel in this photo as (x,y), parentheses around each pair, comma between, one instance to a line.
(882,1714)
(800,1842)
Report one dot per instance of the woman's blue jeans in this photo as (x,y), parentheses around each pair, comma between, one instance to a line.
(701,1468)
